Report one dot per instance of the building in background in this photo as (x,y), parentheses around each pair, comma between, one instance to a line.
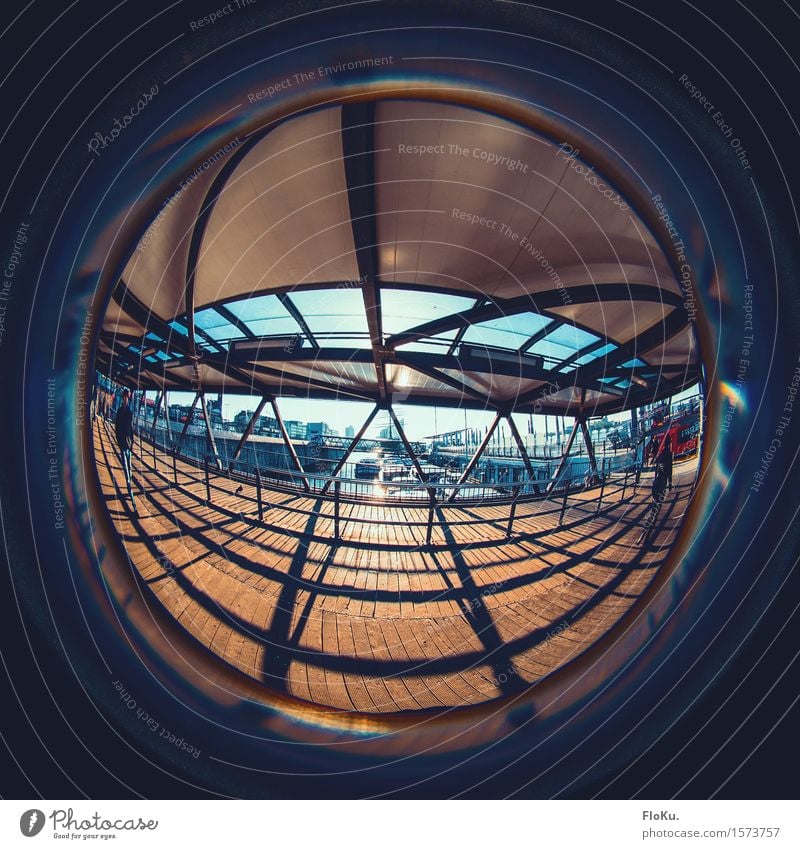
(319,429)
(295,429)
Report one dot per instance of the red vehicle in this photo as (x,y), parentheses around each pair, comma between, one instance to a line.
(683,434)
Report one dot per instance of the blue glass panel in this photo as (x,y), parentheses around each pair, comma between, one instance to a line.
(182,329)
(209,319)
(402,309)
(261,308)
(509,332)
(224,332)
(573,337)
(274,327)
(552,351)
(327,310)
(600,352)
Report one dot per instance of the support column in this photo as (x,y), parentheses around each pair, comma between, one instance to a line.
(521,447)
(209,432)
(156,410)
(477,455)
(562,462)
(188,421)
(587,438)
(248,431)
(356,439)
(289,447)
(407,445)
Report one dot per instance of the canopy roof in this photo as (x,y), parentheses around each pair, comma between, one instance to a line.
(402,251)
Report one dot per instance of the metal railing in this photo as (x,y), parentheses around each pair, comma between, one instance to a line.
(392,482)
(440,512)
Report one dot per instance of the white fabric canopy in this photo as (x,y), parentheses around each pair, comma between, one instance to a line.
(329,255)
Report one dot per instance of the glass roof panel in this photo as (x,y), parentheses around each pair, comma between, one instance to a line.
(552,351)
(332,310)
(633,363)
(209,319)
(508,332)
(402,309)
(274,326)
(259,308)
(224,332)
(438,344)
(181,328)
(600,352)
(571,336)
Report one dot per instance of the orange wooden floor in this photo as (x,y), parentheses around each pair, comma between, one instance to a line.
(381,622)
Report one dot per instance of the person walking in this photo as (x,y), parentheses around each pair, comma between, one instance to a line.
(666,458)
(662,478)
(123,429)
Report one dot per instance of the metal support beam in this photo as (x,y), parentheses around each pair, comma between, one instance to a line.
(289,446)
(587,438)
(209,432)
(563,461)
(247,431)
(234,320)
(188,421)
(340,465)
(476,456)
(295,313)
(582,352)
(521,446)
(539,335)
(407,445)
(461,331)
(540,301)
(156,410)
(418,365)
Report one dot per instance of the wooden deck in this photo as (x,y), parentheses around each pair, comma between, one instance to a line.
(381,622)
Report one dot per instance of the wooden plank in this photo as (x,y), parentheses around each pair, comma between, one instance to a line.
(379,600)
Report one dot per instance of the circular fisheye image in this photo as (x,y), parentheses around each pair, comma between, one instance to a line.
(399,406)
(399,401)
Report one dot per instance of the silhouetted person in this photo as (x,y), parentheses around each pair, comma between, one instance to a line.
(662,478)
(123,428)
(666,459)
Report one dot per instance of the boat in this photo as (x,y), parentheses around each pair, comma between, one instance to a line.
(368,469)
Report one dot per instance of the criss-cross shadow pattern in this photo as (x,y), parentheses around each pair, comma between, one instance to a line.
(380,620)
